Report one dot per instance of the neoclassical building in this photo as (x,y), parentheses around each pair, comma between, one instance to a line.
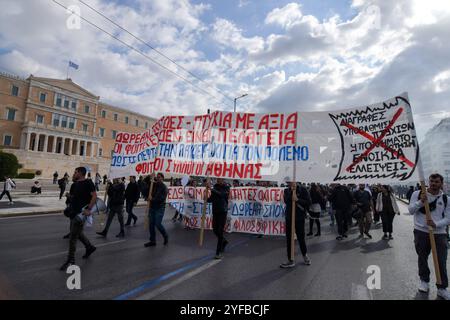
(56,125)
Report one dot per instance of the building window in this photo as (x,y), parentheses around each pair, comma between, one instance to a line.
(64,121)
(15,91)
(102,132)
(115,116)
(10,114)
(100,152)
(58,100)
(42,97)
(86,109)
(103,114)
(114,134)
(56,120)
(126,119)
(39,118)
(74,105)
(66,104)
(85,127)
(71,123)
(137,123)
(146,125)
(7,140)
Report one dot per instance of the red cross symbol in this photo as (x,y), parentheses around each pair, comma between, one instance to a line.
(377,142)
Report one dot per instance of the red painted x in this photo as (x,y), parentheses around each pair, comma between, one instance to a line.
(377,142)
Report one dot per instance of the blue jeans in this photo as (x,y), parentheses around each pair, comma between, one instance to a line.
(155,217)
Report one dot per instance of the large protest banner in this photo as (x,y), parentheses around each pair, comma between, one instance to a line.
(256,210)
(371,144)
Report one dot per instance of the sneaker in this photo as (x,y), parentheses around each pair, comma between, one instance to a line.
(289,264)
(121,235)
(424,287)
(67,236)
(224,244)
(360,236)
(89,251)
(345,236)
(368,235)
(134,223)
(391,237)
(309,234)
(218,256)
(150,244)
(307,260)
(103,234)
(385,237)
(166,240)
(317,234)
(444,294)
(66,265)
(11,203)
(339,238)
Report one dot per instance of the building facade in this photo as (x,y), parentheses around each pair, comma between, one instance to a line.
(435,151)
(56,125)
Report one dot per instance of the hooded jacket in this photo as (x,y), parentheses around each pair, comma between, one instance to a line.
(440,215)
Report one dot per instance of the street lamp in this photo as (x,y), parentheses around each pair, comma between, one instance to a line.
(244,95)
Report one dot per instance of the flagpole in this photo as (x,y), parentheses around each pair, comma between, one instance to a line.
(67,73)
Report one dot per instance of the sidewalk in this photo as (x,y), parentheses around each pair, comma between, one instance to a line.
(38,204)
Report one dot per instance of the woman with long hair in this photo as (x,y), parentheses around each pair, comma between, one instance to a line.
(315,209)
(388,208)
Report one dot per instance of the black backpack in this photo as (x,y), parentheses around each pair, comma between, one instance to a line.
(434,203)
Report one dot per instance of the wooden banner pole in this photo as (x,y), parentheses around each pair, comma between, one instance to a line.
(149,198)
(205,204)
(294,202)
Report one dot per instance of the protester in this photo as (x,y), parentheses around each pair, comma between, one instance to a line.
(317,201)
(376,215)
(36,188)
(105,178)
(116,198)
(302,201)
(98,180)
(55,177)
(82,199)
(132,195)
(219,200)
(8,185)
(364,203)
(341,200)
(141,186)
(387,206)
(156,213)
(409,194)
(440,218)
(62,185)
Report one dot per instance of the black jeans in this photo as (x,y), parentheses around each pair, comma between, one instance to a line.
(387,218)
(61,193)
(299,231)
(218,223)
(129,209)
(423,249)
(112,212)
(342,221)
(7,194)
(76,232)
(311,224)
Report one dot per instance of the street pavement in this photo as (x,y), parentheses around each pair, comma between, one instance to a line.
(32,250)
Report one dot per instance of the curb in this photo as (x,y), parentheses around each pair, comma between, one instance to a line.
(403,200)
(24,214)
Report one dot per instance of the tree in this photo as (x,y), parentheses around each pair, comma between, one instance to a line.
(8,165)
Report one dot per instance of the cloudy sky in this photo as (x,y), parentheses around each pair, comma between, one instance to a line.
(306,55)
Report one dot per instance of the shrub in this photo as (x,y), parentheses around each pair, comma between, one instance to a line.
(8,165)
(38,172)
(26,175)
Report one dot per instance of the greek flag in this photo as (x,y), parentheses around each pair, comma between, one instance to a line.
(73,65)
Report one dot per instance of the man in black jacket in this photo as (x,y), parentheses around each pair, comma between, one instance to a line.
(116,198)
(157,208)
(81,200)
(219,200)
(302,201)
(132,195)
(342,201)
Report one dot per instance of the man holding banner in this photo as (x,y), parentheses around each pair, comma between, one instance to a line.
(302,201)
(440,218)
(157,200)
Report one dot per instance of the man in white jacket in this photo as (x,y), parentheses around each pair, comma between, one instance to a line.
(440,218)
(7,187)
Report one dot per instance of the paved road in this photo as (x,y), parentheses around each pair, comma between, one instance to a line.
(32,250)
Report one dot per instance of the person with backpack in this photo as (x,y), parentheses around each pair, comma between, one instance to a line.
(363,200)
(440,218)
(342,200)
(55,177)
(116,199)
(62,185)
(8,185)
(388,208)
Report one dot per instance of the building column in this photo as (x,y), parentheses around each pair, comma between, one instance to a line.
(91,154)
(54,144)
(45,143)
(27,142)
(36,142)
(84,148)
(78,147)
(63,144)
(70,146)
(98,150)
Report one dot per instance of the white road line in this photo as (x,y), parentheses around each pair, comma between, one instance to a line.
(65,252)
(157,292)
(32,216)
(360,292)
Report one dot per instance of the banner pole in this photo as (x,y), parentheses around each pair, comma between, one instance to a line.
(294,202)
(103,216)
(423,189)
(150,190)
(205,203)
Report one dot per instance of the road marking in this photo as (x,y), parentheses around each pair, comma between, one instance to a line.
(32,216)
(154,282)
(360,292)
(187,276)
(65,252)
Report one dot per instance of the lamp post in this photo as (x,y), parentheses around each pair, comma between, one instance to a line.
(244,95)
